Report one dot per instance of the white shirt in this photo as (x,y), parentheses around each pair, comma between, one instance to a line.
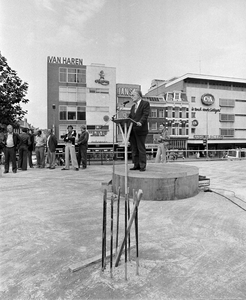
(137,104)
(10,140)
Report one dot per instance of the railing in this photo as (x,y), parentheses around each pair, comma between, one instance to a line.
(106,156)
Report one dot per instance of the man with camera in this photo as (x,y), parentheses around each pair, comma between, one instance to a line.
(69,140)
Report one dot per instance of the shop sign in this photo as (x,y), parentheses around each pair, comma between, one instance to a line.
(195,123)
(207,99)
(215,110)
(64,60)
(124,91)
(102,80)
(210,137)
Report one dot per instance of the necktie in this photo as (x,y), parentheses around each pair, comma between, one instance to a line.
(136,106)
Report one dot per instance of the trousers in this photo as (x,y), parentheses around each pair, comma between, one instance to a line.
(10,156)
(22,162)
(40,156)
(70,149)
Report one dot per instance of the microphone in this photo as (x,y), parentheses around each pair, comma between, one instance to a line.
(124,103)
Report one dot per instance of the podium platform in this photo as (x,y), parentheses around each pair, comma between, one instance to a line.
(160,181)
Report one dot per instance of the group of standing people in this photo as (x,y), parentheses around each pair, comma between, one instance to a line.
(25,143)
(69,139)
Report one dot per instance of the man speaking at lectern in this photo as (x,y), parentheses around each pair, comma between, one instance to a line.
(139,113)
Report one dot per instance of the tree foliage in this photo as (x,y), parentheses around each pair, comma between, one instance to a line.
(12,94)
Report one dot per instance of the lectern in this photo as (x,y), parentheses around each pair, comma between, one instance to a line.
(125,131)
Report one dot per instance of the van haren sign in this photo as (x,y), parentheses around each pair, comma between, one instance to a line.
(64,60)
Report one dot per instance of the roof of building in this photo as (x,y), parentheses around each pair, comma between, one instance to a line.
(206,77)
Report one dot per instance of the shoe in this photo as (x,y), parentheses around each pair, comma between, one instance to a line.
(135,168)
(51,168)
(76,169)
(20,169)
(64,169)
(142,169)
(5,172)
(14,171)
(84,168)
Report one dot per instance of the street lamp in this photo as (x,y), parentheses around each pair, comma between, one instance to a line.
(53,126)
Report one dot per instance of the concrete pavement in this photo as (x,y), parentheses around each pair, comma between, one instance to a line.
(189,249)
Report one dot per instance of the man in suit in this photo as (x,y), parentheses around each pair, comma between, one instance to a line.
(139,113)
(23,149)
(10,142)
(51,147)
(30,148)
(83,145)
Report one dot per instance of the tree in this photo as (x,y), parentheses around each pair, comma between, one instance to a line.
(12,95)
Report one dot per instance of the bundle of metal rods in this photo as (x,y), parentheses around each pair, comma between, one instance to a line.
(128,221)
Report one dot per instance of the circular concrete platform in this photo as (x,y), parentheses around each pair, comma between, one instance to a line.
(159,181)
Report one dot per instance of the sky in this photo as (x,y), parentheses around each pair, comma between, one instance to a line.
(143,39)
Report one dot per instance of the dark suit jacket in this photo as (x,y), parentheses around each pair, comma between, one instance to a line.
(70,137)
(83,139)
(141,116)
(52,143)
(15,138)
(24,140)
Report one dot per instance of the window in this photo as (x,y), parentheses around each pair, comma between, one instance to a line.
(72,94)
(227,102)
(63,112)
(180,113)
(227,118)
(187,113)
(187,129)
(74,113)
(71,112)
(63,74)
(193,130)
(227,132)
(176,96)
(153,126)
(193,99)
(169,112)
(173,113)
(161,113)
(153,113)
(193,114)
(72,75)
(81,113)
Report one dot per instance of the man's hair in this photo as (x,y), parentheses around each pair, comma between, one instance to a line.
(139,93)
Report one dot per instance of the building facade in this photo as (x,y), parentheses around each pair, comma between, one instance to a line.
(214,106)
(81,94)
